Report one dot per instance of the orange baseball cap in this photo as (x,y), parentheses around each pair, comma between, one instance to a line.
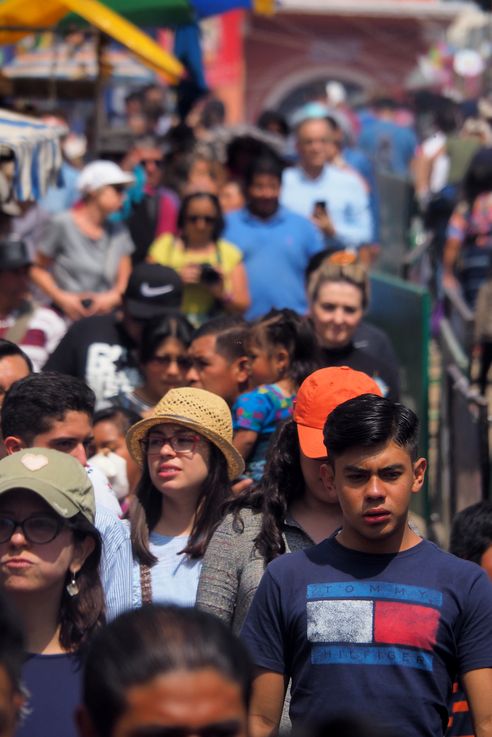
(318,395)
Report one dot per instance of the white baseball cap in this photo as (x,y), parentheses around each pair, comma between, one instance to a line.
(99,174)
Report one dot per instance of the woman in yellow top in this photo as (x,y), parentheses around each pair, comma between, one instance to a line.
(211,268)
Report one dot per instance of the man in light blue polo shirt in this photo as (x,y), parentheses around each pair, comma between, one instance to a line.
(277,243)
(346,219)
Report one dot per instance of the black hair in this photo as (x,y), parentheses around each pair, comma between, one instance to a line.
(146,510)
(288,329)
(142,644)
(368,421)
(231,335)
(213,113)
(219,218)
(7,348)
(270,165)
(11,644)
(478,177)
(471,532)
(272,117)
(158,330)
(122,417)
(32,404)
(281,484)
(243,151)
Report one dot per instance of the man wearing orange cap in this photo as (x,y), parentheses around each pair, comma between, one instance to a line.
(373,621)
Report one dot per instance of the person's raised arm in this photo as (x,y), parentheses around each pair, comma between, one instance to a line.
(478,687)
(267,703)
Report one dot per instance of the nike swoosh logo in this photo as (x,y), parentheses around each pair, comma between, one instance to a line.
(147,291)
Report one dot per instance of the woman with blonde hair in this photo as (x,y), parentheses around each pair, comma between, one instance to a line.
(338,295)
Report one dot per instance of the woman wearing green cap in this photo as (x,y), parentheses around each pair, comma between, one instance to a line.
(188,460)
(49,558)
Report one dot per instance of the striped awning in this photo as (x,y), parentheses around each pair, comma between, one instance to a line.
(36,148)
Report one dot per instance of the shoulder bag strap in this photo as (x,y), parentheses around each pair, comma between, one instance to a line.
(145,584)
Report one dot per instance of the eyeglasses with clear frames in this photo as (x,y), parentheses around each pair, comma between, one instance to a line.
(182,444)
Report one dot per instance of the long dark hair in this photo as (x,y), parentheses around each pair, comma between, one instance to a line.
(288,329)
(219,218)
(83,614)
(281,484)
(146,510)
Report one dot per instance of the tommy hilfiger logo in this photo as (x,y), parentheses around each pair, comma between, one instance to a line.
(373,623)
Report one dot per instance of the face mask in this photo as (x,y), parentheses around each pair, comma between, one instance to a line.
(113,467)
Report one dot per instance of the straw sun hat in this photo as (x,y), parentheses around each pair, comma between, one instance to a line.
(197,409)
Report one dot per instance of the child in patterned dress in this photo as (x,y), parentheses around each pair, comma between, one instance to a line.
(282,350)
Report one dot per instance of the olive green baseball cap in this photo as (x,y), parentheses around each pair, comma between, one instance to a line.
(56,477)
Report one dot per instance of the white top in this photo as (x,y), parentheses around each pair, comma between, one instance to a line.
(174,577)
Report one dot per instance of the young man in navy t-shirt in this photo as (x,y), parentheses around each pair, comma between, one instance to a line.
(373,621)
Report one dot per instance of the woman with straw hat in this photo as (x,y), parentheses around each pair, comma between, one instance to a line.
(188,462)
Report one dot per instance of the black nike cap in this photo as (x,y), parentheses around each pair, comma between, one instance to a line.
(153,290)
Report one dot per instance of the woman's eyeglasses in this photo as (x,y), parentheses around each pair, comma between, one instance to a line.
(39,528)
(165,361)
(182,444)
(194,219)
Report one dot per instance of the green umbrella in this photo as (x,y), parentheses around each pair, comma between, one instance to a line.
(145,13)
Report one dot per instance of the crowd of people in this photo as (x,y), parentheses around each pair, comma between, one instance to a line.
(206,471)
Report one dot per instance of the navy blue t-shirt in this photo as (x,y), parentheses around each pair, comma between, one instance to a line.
(381,635)
(53,683)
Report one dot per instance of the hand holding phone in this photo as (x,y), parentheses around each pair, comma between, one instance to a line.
(320,208)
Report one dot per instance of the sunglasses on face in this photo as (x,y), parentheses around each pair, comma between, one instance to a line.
(146,162)
(39,528)
(182,444)
(165,361)
(208,219)
(120,188)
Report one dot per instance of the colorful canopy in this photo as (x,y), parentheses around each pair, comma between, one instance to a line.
(20,17)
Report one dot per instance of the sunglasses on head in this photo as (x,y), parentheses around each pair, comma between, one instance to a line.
(208,219)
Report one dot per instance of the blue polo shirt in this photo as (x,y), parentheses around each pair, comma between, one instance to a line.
(276,253)
(346,197)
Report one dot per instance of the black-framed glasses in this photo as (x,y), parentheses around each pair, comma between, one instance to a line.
(208,219)
(38,528)
(165,361)
(182,443)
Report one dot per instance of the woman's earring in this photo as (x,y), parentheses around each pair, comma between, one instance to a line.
(72,586)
